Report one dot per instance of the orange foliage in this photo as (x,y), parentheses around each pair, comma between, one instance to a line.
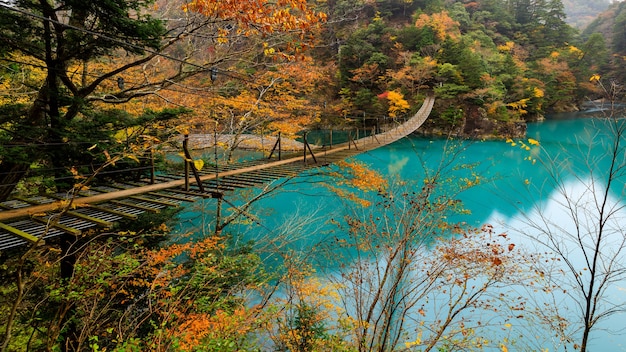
(260,16)
(441,23)
(414,72)
(359,176)
(219,326)
(366,73)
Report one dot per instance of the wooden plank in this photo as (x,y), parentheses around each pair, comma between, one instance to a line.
(155,201)
(136,206)
(255,177)
(191,193)
(171,196)
(237,182)
(46,221)
(113,211)
(25,235)
(97,221)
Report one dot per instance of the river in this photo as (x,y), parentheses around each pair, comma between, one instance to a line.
(516,190)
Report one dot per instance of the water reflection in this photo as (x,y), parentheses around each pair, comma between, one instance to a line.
(522,184)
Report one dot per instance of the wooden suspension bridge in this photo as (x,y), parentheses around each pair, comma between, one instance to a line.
(35,219)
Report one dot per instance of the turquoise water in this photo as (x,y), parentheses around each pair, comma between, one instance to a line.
(516,189)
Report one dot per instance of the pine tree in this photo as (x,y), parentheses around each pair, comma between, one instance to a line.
(51,36)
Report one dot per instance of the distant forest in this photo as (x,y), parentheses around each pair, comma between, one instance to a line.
(582,12)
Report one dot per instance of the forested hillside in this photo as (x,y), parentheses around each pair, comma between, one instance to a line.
(582,12)
(492,64)
(611,25)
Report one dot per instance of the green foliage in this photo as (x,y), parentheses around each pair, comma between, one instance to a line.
(44,39)
(452,115)
(364,100)
(413,38)
(127,293)
(132,33)
(450,90)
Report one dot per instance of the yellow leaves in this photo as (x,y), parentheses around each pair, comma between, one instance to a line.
(416,342)
(81,187)
(527,147)
(492,108)
(182,129)
(75,173)
(507,47)
(554,55)
(350,196)
(268,51)
(359,176)
(222,36)
(16,85)
(576,52)
(503,348)
(132,157)
(198,164)
(594,78)
(377,17)
(397,104)
(538,93)
(468,182)
(441,23)
(519,105)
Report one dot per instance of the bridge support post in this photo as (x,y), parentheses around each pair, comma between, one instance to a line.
(307,146)
(331,139)
(277,144)
(152,169)
(189,164)
(351,140)
(186,175)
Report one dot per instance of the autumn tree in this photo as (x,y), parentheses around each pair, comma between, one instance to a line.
(409,278)
(130,293)
(282,99)
(68,40)
(52,37)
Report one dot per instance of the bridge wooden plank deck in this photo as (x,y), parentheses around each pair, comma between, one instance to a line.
(38,218)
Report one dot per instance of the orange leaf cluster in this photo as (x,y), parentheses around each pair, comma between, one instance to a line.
(359,176)
(261,16)
(221,325)
(441,23)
